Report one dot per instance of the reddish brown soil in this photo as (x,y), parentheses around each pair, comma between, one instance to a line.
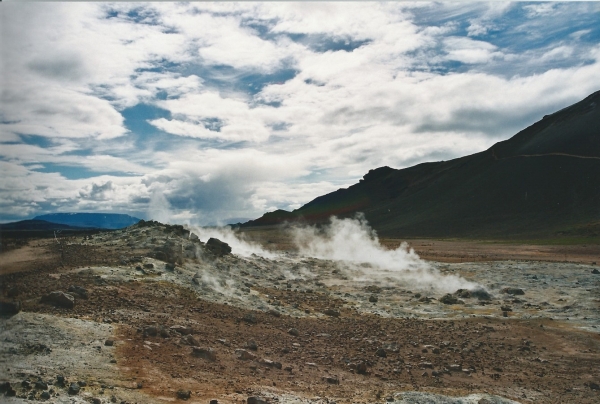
(473,251)
(524,360)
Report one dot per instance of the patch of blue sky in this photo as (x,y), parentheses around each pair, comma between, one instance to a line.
(137,117)
(73,172)
(227,79)
(521,33)
(36,140)
(321,43)
(138,15)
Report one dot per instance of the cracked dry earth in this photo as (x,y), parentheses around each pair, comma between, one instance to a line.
(286,328)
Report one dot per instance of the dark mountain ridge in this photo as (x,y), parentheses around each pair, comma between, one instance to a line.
(542,182)
(91,220)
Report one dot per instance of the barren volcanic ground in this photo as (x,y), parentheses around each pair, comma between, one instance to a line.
(160,315)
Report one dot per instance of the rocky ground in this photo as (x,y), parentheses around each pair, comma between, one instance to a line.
(153,313)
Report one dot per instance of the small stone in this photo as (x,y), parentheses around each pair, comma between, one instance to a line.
(250,318)
(109,342)
(331,379)
(294,332)
(45,395)
(206,353)
(373,299)
(244,355)
(74,389)
(60,379)
(449,299)
(10,307)
(381,353)
(96,400)
(151,331)
(79,291)
(183,330)
(213,401)
(595,271)
(513,291)
(40,385)
(184,394)
(256,400)
(252,345)
(59,299)
(332,312)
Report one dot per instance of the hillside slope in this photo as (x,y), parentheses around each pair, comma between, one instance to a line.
(542,182)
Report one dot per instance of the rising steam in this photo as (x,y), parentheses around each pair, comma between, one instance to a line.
(355,244)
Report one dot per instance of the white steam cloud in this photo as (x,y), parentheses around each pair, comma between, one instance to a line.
(354,243)
(238,245)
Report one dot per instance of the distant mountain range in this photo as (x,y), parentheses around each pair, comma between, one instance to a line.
(90,220)
(35,224)
(542,182)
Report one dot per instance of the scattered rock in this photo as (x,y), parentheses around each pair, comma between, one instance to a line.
(109,342)
(332,312)
(294,332)
(593,386)
(506,308)
(463,293)
(256,400)
(331,379)
(74,389)
(373,289)
(251,345)
(250,318)
(10,307)
(205,353)
(184,394)
(188,340)
(151,331)
(513,291)
(59,299)
(449,299)
(40,385)
(381,353)
(373,299)
(213,401)
(361,368)
(46,396)
(274,313)
(244,355)
(79,291)
(7,389)
(481,294)
(183,330)
(595,271)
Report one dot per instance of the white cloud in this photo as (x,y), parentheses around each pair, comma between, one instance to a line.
(372,87)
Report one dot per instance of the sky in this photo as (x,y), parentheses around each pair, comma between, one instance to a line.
(206,113)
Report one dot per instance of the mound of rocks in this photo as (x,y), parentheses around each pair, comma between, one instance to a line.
(218,247)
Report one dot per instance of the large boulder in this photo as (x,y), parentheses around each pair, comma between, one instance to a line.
(218,247)
(59,299)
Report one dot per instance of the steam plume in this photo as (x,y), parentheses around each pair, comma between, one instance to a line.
(354,243)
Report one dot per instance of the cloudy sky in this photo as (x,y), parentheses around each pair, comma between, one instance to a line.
(203,112)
